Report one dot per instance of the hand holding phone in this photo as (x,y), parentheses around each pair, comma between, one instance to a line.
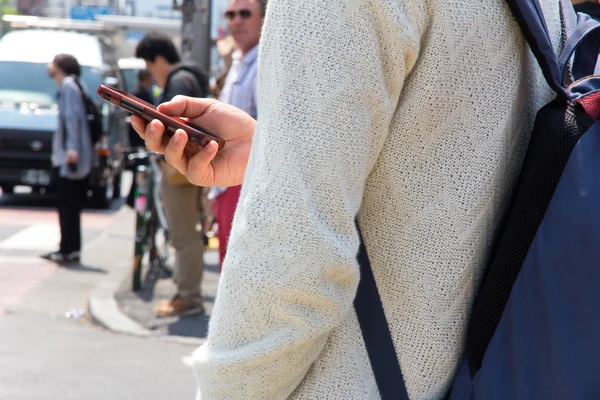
(197,137)
(72,159)
(72,156)
(207,167)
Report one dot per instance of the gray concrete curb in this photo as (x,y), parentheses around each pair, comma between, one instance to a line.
(104,310)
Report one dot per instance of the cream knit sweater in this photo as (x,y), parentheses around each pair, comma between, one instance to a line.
(413,114)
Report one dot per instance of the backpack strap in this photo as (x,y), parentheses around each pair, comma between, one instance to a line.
(375,331)
(367,304)
(76,79)
(530,18)
(194,92)
(84,94)
(583,41)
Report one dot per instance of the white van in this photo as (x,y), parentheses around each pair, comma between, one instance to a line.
(29,114)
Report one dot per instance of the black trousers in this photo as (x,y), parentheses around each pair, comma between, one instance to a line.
(71,198)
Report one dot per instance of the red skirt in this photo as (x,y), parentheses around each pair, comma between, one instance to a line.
(225,205)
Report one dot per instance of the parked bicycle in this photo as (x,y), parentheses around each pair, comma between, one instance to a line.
(151,229)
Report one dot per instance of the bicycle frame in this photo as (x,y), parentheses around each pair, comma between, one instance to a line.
(149,209)
(160,210)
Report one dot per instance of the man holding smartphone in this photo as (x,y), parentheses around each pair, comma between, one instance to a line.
(179,196)
(245,18)
(401,113)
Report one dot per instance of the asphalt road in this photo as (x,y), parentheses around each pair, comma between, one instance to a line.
(44,354)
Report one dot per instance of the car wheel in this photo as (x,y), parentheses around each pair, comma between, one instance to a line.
(6,189)
(117,186)
(102,197)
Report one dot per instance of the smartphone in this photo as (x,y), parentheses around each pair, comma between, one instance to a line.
(196,135)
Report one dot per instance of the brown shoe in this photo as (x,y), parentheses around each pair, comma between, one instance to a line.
(177,306)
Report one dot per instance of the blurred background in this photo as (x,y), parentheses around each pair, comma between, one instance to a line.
(53,338)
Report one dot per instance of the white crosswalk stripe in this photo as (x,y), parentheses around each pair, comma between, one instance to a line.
(25,260)
(34,237)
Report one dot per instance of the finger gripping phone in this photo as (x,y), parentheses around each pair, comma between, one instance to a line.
(128,102)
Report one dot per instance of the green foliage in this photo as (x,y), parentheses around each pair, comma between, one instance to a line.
(8,8)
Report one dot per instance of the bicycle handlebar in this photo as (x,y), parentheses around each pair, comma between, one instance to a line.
(132,150)
(138,153)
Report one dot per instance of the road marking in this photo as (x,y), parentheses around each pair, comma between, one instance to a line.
(27,217)
(19,276)
(35,237)
(92,221)
(17,260)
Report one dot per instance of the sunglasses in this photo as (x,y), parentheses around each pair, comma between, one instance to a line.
(244,14)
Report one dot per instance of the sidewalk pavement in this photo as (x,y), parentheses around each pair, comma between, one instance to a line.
(115,306)
(47,353)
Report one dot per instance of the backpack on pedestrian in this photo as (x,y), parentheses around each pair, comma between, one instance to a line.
(534,331)
(93,115)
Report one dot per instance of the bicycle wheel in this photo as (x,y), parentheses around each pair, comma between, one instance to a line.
(141,228)
(159,250)
(141,243)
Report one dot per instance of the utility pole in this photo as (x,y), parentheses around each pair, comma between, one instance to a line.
(195,31)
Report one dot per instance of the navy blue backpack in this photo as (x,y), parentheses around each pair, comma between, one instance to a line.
(534,332)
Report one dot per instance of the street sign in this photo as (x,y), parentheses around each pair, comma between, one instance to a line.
(89,12)
(134,36)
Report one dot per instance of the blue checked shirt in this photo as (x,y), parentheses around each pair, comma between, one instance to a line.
(239,90)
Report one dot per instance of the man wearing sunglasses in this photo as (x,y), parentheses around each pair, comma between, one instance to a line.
(245,24)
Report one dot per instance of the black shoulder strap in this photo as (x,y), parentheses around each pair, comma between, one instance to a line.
(375,331)
(194,92)
(83,93)
(368,306)
(530,18)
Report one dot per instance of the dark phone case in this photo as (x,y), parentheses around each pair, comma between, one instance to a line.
(198,137)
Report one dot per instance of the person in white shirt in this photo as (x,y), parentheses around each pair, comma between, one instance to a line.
(412,116)
(245,18)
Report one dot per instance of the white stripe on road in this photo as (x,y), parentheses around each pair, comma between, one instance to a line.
(35,237)
(5,260)
(19,276)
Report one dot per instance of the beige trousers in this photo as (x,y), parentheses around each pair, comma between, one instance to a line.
(182,216)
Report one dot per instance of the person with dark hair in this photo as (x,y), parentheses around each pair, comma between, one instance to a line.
(246,18)
(171,74)
(180,197)
(156,45)
(144,92)
(68,64)
(72,155)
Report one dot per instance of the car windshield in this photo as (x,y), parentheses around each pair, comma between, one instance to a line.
(131,79)
(23,82)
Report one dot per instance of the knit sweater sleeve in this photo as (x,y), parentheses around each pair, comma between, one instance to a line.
(330,77)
